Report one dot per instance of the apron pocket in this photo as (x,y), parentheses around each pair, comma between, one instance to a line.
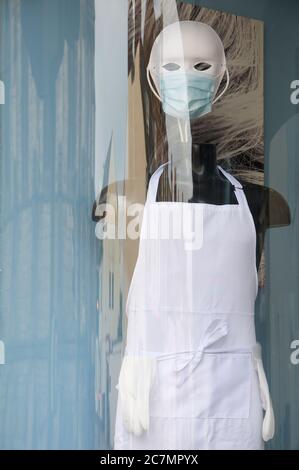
(217,387)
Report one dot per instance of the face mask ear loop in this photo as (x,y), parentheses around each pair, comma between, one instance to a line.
(150,84)
(225,88)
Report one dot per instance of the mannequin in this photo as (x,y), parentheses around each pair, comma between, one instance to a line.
(194,47)
(186,70)
(268,207)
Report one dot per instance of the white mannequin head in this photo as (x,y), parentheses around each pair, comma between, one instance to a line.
(189,46)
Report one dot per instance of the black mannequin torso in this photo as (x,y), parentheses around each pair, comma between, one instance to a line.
(268,207)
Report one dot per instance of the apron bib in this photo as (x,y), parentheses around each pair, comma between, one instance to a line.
(190,306)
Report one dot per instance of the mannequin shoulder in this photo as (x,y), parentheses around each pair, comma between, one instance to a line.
(268,204)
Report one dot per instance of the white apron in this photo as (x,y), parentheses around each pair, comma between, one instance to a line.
(191,307)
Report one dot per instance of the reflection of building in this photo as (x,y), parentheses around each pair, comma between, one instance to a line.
(111,317)
(119,156)
(118,257)
(48,248)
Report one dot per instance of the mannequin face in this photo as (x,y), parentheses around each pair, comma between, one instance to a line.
(189,47)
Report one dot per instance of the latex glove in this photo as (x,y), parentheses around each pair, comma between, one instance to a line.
(136,377)
(269,421)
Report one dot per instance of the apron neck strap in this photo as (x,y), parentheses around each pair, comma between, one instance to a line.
(153,183)
(238,188)
(155,178)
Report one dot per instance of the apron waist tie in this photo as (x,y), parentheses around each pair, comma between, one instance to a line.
(186,366)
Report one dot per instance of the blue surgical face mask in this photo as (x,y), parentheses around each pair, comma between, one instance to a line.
(187,94)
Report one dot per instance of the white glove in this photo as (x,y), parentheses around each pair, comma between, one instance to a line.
(136,377)
(269,421)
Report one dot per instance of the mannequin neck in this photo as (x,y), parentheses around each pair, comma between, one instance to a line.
(204,160)
(208,183)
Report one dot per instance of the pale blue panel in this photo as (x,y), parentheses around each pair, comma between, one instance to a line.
(49,255)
